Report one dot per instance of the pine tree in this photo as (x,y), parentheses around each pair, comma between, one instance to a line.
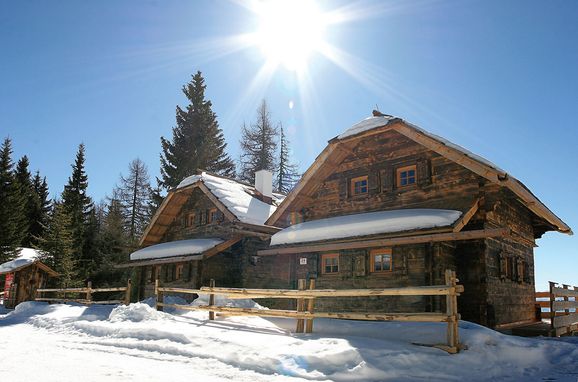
(77,203)
(134,197)
(258,145)
(40,215)
(197,142)
(29,198)
(287,176)
(57,245)
(11,205)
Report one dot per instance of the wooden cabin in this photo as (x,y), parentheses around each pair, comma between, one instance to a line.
(209,227)
(388,204)
(23,276)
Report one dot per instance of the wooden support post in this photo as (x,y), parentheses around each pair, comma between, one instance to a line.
(128,290)
(452,313)
(89,291)
(212,300)
(300,307)
(158,296)
(310,304)
(455,312)
(552,311)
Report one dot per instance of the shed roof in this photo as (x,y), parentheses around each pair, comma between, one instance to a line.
(175,248)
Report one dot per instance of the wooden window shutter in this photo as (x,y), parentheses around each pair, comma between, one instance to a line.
(387,179)
(343,188)
(423,172)
(520,269)
(503,266)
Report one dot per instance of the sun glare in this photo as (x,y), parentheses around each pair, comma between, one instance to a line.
(289,31)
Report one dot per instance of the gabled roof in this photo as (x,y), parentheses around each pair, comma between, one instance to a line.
(340,147)
(25,258)
(239,202)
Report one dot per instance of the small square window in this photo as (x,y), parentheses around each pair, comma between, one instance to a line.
(406,176)
(212,216)
(381,260)
(190,220)
(359,185)
(330,263)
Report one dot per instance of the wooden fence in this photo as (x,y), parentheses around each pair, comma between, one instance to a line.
(306,301)
(560,306)
(86,293)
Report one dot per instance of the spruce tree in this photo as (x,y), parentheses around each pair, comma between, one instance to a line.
(287,176)
(258,145)
(134,197)
(29,198)
(77,203)
(197,141)
(42,208)
(11,205)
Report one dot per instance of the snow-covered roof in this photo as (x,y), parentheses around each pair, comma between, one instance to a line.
(239,198)
(370,223)
(26,256)
(379,121)
(175,248)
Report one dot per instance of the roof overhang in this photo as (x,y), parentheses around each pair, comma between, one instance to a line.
(39,264)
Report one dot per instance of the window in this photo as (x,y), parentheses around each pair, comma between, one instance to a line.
(330,263)
(406,176)
(179,271)
(381,260)
(212,216)
(190,220)
(359,185)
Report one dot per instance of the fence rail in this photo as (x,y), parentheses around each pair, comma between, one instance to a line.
(306,297)
(560,306)
(87,292)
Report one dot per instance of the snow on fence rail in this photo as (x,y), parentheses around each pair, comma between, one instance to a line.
(306,299)
(87,292)
(560,306)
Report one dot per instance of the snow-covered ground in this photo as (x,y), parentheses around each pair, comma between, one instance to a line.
(136,343)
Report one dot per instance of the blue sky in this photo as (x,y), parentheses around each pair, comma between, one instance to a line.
(497,77)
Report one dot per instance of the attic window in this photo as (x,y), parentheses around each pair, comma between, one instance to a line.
(359,185)
(406,176)
(190,220)
(212,216)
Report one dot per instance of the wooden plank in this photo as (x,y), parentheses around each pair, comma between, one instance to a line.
(212,300)
(65,290)
(416,317)
(418,239)
(543,304)
(566,330)
(220,247)
(542,294)
(568,320)
(292,293)
(310,306)
(465,218)
(561,292)
(49,299)
(155,217)
(300,307)
(561,305)
(118,289)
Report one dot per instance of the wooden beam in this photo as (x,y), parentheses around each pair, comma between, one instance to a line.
(562,321)
(228,214)
(155,217)
(166,260)
(419,239)
(465,218)
(562,292)
(220,247)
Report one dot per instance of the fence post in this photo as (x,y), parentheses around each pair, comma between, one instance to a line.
(552,312)
(128,290)
(451,311)
(301,285)
(89,292)
(158,296)
(310,304)
(211,299)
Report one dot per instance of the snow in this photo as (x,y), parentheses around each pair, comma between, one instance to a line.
(365,224)
(136,343)
(237,197)
(375,122)
(25,256)
(175,248)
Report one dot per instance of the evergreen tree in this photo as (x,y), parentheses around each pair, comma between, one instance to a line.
(197,142)
(29,198)
(91,252)
(40,215)
(77,203)
(287,176)
(134,197)
(57,245)
(11,205)
(258,145)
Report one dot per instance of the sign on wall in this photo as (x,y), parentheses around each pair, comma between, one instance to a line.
(303,261)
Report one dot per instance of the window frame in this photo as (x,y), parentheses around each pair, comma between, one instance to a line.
(179,271)
(380,252)
(212,215)
(190,221)
(356,180)
(400,170)
(332,255)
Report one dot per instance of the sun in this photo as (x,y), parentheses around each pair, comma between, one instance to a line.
(289,31)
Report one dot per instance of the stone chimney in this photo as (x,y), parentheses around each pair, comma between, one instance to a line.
(264,185)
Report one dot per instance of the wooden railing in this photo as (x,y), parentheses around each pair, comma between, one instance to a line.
(306,299)
(561,304)
(87,294)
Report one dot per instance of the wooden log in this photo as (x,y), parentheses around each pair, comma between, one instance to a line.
(542,294)
(562,321)
(128,291)
(310,305)
(564,305)
(561,292)
(63,290)
(390,242)
(211,299)
(543,304)
(449,310)
(300,307)
(158,296)
(49,299)
(88,291)
(106,302)
(416,317)
(465,218)
(441,290)
(117,289)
